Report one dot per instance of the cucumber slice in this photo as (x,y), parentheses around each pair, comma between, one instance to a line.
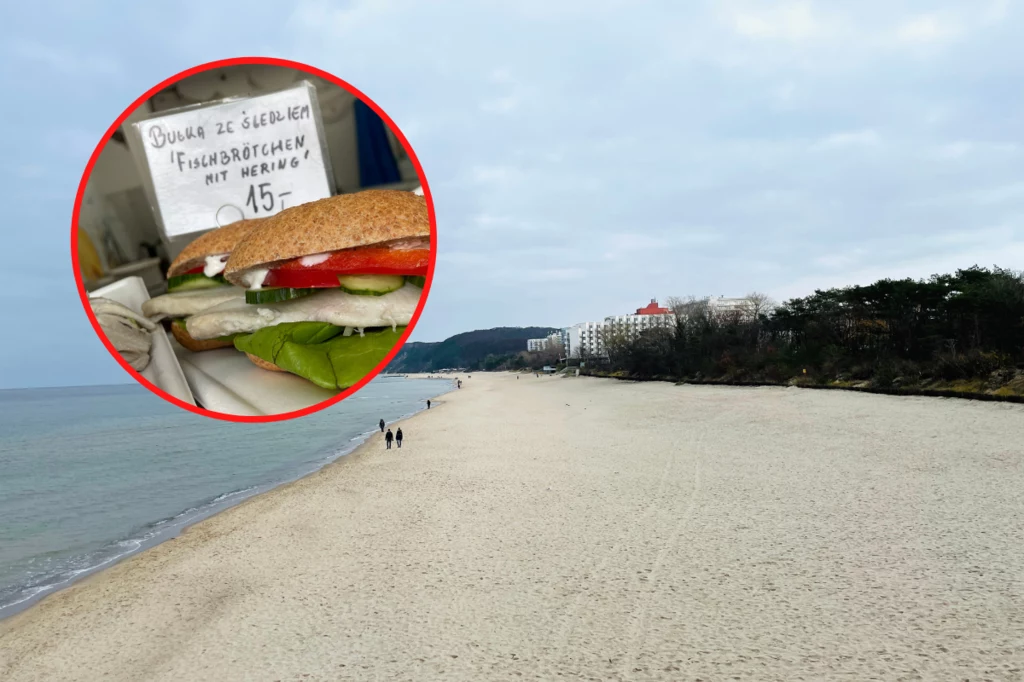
(194,281)
(416,281)
(275,294)
(371,285)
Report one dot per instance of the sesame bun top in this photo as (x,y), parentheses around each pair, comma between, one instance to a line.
(345,221)
(214,243)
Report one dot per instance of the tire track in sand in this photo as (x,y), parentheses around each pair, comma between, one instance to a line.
(656,502)
(641,621)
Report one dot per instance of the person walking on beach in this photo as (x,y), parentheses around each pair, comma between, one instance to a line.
(398,437)
(388,437)
(428,404)
(382,426)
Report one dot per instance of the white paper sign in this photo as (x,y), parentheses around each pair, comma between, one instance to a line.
(248,158)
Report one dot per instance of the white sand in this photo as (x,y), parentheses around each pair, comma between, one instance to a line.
(589,529)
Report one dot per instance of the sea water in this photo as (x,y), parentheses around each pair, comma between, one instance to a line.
(90,475)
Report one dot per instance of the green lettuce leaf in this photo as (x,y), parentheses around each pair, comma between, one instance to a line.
(317,351)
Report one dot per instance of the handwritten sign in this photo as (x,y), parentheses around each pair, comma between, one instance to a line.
(245,158)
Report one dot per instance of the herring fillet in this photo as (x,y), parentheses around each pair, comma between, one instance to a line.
(185,303)
(333,306)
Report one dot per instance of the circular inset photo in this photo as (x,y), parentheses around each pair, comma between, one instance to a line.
(253,239)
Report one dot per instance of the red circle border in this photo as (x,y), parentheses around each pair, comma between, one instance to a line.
(238,61)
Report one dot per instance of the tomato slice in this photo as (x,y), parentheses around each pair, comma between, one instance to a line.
(193,271)
(363,261)
(301,279)
(368,260)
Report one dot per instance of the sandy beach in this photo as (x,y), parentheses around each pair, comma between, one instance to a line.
(573,528)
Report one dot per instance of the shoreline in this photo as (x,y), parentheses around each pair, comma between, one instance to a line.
(590,529)
(348,457)
(174,531)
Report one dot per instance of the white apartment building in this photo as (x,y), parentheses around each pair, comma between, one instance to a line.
(723,307)
(740,306)
(536,345)
(633,324)
(588,338)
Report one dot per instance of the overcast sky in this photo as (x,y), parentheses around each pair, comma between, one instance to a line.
(584,156)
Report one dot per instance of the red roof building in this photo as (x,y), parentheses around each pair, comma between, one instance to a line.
(652,308)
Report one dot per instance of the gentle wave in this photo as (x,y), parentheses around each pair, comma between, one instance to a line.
(55,577)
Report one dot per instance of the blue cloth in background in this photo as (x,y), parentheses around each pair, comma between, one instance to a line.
(377,164)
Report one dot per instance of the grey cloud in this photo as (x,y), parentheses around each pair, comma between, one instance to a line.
(586,156)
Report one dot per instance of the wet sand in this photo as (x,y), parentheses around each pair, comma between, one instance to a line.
(590,529)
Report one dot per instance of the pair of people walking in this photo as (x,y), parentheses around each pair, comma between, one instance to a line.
(388,437)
